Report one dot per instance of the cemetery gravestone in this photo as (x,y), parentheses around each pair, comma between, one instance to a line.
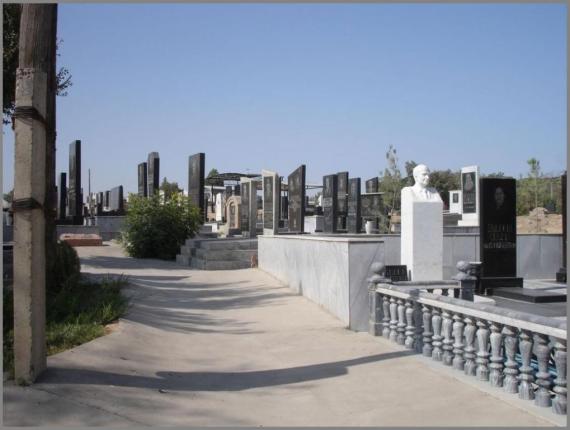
(371,185)
(353,219)
(284,207)
(196,181)
(153,173)
(470,196)
(330,204)
(143,186)
(342,199)
(244,215)
(296,206)
(371,206)
(75,198)
(62,195)
(271,197)
(455,202)
(498,233)
(99,202)
(561,274)
(107,199)
(116,200)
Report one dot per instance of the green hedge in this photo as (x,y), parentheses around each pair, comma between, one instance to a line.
(156,229)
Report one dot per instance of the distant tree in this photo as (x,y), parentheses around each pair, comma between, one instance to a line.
(213,172)
(11,36)
(444,181)
(409,166)
(498,174)
(9,196)
(390,183)
(169,188)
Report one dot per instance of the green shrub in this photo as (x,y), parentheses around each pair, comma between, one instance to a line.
(157,229)
(66,268)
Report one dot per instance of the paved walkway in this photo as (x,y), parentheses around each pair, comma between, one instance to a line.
(237,348)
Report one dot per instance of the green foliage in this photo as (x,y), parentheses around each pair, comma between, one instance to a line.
(169,188)
(154,229)
(213,172)
(9,196)
(444,181)
(66,268)
(11,13)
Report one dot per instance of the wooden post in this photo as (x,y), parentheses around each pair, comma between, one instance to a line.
(34,127)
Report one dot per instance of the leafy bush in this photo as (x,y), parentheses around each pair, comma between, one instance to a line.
(157,229)
(66,268)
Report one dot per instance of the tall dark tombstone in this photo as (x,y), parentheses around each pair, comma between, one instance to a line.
(196,181)
(296,186)
(99,210)
(62,196)
(143,176)
(153,173)
(371,207)
(342,199)
(371,185)
(237,189)
(271,200)
(284,207)
(561,274)
(330,203)
(229,191)
(244,211)
(107,199)
(498,234)
(74,195)
(353,219)
(116,204)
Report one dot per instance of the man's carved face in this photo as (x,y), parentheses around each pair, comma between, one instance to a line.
(421,176)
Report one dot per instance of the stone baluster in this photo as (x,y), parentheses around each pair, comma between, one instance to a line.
(447,341)
(560,390)
(410,328)
(427,333)
(393,319)
(437,352)
(444,291)
(496,366)
(401,328)
(526,378)
(511,382)
(482,334)
(375,310)
(470,330)
(386,316)
(458,360)
(542,351)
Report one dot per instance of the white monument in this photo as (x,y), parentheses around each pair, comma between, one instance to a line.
(422,229)
(219,207)
(470,197)
(455,202)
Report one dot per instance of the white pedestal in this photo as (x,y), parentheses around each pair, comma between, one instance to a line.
(422,237)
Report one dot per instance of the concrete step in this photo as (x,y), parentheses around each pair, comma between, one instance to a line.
(227,244)
(183,259)
(224,254)
(198,263)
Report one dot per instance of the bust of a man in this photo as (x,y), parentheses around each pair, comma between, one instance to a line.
(420,190)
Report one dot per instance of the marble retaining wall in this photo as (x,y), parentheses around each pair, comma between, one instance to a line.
(330,271)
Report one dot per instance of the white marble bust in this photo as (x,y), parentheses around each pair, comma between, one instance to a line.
(420,190)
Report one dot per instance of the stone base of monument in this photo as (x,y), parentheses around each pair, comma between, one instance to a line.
(529,295)
(81,239)
(218,254)
(561,275)
(488,284)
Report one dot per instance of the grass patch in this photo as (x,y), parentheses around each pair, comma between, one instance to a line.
(75,314)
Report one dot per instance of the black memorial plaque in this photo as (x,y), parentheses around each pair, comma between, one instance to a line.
(397,272)
(371,206)
(142,172)
(353,219)
(371,185)
(330,204)
(74,199)
(469,188)
(116,200)
(62,195)
(342,193)
(455,198)
(296,206)
(196,181)
(153,173)
(244,212)
(107,199)
(268,202)
(284,207)
(498,233)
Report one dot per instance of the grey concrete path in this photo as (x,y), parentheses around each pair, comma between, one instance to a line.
(237,348)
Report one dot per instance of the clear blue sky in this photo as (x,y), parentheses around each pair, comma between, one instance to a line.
(328,85)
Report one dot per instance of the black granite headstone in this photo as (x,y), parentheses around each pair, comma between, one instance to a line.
(561,274)
(296,186)
(397,272)
(469,188)
(153,173)
(371,185)
(330,203)
(99,204)
(229,191)
(62,196)
(284,207)
(143,187)
(237,189)
(244,211)
(75,198)
(353,219)
(371,206)
(116,203)
(268,202)
(107,199)
(498,233)
(196,181)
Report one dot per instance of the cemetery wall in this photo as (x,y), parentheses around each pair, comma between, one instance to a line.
(110,226)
